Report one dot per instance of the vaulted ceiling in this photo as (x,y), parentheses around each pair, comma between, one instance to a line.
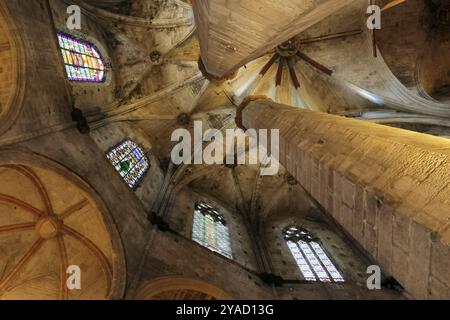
(157,86)
(48,224)
(160,87)
(154,48)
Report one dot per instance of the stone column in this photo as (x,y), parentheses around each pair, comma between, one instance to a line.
(388,188)
(235,32)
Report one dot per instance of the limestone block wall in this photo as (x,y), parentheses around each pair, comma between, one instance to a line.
(347,291)
(172,255)
(388,188)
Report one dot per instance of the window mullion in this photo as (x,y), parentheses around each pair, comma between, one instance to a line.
(203,226)
(320,261)
(307,261)
(304,247)
(81,53)
(215,235)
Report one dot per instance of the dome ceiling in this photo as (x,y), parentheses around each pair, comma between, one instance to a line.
(289,76)
(160,87)
(46,225)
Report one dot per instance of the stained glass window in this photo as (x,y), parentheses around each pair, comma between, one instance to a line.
(311,259)
(130,161)
(82,60)
(210,229)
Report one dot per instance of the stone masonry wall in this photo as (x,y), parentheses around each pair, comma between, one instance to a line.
(387,187)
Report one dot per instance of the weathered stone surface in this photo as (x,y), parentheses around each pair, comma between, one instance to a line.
(403,191)
(229,38)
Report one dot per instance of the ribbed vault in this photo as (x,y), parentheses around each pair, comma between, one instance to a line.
(48,224)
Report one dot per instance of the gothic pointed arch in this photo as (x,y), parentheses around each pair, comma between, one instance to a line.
(180,288)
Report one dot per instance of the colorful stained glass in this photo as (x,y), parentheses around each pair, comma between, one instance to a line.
(210,229)
(82,60)
(311,259)
(130,161)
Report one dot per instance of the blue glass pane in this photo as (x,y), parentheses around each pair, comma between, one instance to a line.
(129,159)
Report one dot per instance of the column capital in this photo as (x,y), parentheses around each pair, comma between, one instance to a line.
(214,79)
(244,104)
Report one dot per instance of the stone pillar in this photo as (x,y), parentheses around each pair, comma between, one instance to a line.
(235,32)
(388,188)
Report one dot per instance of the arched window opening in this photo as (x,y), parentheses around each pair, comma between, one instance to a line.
(130,161)
(210,229)
(82,59)
(311,259)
